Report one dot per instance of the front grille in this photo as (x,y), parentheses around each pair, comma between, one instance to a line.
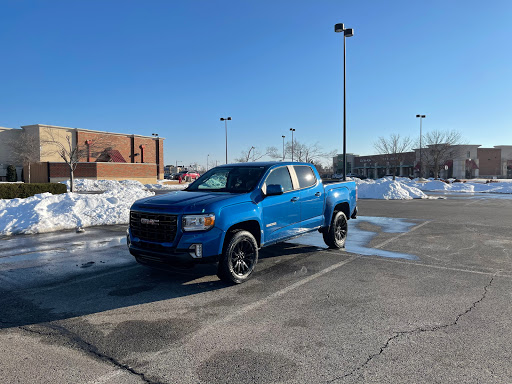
(158,227)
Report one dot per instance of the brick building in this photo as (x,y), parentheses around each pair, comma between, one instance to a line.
(106,155)
(468,161)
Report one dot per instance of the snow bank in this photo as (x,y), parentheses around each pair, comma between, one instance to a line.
(387,189)
(46,212)
(468,187)
(85,185)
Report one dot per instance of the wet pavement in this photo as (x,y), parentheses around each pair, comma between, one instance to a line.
(421,294)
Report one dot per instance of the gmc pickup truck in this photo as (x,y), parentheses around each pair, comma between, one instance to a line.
(233,210)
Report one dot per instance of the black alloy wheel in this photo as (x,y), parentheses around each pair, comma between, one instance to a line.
(336,236)
(239,258)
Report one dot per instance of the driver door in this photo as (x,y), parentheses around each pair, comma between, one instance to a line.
(281,213)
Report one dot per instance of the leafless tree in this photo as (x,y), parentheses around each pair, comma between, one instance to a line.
(308,153)
(60,142)
(26,149)
(253,154)
(441,146)
(395,147)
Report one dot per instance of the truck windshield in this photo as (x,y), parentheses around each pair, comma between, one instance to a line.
(228,179)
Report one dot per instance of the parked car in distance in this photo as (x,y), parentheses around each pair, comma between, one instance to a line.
(187,176)
(233,210)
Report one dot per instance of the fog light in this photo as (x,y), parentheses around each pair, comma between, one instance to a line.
(196,251)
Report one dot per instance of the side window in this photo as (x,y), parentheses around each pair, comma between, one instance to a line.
(280,176)
(305,175)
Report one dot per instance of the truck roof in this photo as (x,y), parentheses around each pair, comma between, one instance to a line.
(264,164)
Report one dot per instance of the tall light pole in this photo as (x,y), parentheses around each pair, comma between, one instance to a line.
(207,156)
(293,130)
(347,32)
(225,120)
(283,145)
(177,165)
(421,162)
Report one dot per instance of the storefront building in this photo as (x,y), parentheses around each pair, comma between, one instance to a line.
(465,162)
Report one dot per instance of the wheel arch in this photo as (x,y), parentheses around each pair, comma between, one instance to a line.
(251,226)
(343,207)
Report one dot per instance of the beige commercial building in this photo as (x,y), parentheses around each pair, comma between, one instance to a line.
(103,155)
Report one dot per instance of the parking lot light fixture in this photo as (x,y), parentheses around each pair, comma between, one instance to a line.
(347,32)
(293,130)
(283,136)
(225,120)
(421,117)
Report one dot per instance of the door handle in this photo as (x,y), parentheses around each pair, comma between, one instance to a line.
(318,194)
(294,199)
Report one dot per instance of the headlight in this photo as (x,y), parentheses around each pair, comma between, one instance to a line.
(198,222)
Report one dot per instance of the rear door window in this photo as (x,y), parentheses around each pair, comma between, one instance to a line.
(305,175)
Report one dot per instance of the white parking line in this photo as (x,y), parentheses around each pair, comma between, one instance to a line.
(240,312)
(400,235)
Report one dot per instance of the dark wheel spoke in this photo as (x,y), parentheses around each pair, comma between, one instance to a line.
(239,257)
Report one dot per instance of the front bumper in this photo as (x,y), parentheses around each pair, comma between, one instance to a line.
(182,250)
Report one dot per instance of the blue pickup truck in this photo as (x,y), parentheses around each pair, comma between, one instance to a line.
(233,210)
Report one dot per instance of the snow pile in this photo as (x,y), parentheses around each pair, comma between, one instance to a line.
(86,185)
(46,212)
(468,187)
(387,189)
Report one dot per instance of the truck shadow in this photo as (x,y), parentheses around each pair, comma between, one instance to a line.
(94,290)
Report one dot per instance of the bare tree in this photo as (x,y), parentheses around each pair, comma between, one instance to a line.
(26,149)
(441,146)
(395,147)
(308,153)
(60,143)
(253,154)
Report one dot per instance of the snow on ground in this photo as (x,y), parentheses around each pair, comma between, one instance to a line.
(46,212)
(387,189)
(85,185)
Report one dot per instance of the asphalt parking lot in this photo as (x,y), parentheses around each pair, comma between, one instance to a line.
(422,294)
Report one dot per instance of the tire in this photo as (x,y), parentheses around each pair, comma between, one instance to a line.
(336,236)
(239,257)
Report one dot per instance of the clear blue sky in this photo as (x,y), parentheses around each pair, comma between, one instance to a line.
(175,67)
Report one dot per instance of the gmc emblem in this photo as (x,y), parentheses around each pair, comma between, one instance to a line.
(149,221)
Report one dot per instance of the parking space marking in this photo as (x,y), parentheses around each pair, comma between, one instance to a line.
(401,234)
(499,273)
(273,296)
(240,312)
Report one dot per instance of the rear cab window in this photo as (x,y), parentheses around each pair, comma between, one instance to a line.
(305,175)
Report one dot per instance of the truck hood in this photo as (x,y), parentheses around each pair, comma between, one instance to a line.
(181,201)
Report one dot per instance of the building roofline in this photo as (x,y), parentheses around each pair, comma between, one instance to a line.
(92,131)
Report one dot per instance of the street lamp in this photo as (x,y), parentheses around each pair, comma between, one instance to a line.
(177,165)
(421,162)
(155,134)
(225,120)
(347,32)
(207,156)
(293,130)
(283,145)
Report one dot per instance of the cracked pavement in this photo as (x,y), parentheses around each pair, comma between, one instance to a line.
(78,309)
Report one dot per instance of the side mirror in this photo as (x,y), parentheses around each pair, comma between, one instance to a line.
(274,189)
